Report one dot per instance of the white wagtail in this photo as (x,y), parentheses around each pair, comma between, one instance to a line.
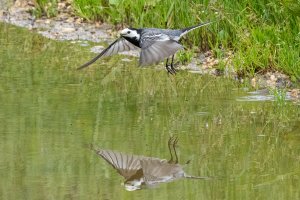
(140,171)
(155,44)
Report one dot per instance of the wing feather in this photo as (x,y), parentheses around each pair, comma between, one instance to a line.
(154,54)
(149,38)
(159,51)
(158,171)
(117,46)
(126,165)
(129,165)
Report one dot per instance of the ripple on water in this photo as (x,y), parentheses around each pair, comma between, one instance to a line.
(266,95)
(202,113)
(258,95)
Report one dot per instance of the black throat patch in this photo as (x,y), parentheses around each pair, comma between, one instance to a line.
(134,40)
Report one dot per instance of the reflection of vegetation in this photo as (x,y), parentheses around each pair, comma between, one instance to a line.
(50,111)
(279,96)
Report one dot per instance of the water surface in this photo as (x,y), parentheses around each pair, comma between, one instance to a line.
(50,113)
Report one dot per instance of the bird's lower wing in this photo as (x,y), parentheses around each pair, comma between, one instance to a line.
(117,46)
(126,165)
(159,171)
(159,51)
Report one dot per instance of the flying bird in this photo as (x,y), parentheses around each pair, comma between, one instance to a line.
(155,45)
(144,172)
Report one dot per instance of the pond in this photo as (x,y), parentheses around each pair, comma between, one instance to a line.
(51,113)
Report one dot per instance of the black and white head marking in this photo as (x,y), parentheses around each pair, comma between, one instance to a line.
(132,35)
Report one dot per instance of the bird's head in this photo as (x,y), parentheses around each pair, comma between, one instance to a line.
(130,33)
(133,184)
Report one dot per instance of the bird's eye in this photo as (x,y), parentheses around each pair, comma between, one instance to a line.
(128,32)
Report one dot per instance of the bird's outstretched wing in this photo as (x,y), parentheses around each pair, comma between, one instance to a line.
(158,51)
(159,171)
(126,165)
(117,46)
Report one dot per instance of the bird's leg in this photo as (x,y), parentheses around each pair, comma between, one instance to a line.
(167,63)
(170,71)
(170,143)
(174,148)
(172,65)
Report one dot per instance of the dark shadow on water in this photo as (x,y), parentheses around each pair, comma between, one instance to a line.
(141,172)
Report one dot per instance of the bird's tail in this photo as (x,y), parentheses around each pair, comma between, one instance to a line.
(188,29)
(90,62)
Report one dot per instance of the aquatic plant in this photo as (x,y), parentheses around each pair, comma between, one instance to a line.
(279,96)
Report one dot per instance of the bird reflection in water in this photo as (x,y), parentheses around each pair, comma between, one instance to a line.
(145,172)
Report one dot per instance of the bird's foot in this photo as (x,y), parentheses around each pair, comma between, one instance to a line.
(171,70)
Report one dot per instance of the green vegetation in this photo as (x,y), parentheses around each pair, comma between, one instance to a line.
(45,7)
(280,96)
(263,34)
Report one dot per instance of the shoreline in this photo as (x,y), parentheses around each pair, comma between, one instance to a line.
(68,27)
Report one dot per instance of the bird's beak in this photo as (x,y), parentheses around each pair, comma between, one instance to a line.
(122,33)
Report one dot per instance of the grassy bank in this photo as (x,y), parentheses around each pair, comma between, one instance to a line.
(264,34)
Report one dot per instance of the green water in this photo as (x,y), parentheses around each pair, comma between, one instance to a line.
(50,112)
